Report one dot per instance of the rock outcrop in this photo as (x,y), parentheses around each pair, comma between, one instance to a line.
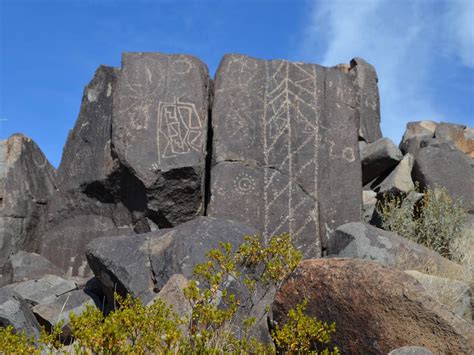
(286,132)
(27,180)
(376,309)
(159,131)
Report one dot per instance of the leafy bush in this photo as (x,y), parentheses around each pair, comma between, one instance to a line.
(437,222)
(212,328)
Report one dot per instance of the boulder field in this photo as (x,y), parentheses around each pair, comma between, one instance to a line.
(164,163)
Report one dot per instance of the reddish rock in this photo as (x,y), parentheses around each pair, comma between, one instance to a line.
(376,309)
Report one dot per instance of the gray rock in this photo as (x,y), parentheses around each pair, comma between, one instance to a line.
(439,164)
(399,179)
(42,290)
(159,131)
(365,79)
(378,158)
(286,133)
(24,266)
(362,241)
(454,294)
(410,350)
(26,182)
(14,312)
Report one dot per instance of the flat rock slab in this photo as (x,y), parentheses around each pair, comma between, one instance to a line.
(439,164)
(60,309)
(160,123)
(43,290)
(399,180)
(14,312)
(285,148)
(26,182)
(363,241)
(376,309)
(24,266)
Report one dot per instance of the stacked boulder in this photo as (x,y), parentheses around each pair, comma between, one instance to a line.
(163,164)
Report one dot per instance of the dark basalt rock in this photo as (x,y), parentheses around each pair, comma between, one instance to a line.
(141,265)
(365,79)
(439,164)
(290,131)
(87,157)
(160,123)
(26,182)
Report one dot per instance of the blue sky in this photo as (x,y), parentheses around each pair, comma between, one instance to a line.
(423,51)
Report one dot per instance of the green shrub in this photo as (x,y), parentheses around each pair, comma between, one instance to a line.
(212,329)
(437,222)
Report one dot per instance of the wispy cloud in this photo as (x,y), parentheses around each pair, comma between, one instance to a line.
(402,39)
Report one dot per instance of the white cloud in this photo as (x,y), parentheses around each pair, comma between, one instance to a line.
(400,38)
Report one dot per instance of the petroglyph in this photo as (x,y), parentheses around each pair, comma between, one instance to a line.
(280,118)
(179,125)
(182,66)
(244,184)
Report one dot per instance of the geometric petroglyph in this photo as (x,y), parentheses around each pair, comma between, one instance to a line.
(182,65)
(244,184)
(179,124)
(289,105)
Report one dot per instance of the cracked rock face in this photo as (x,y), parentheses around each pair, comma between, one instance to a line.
(160,122)
(26,182)
(285,148)
(87,156)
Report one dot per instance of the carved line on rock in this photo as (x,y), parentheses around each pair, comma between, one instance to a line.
(179,123)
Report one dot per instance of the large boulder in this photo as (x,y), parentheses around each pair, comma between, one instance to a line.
(287,133)
(159,131)
(439,164)
(376,309)
(363,241)
(379,158)
(365,79)
(141,265)
(24,266)
(14,312)
(26,182)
